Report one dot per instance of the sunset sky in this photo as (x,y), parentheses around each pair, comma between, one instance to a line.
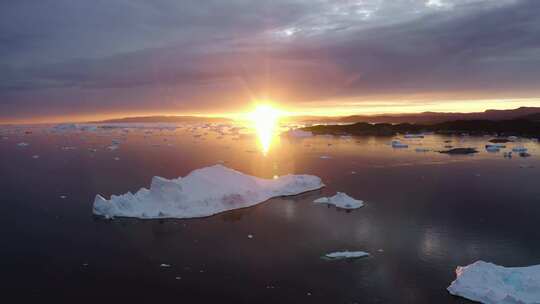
(78,60)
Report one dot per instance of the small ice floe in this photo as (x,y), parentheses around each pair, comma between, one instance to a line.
(492,148)
(339,255)
(500,146)
(63,196)
(65,127)
(325,157)
(413,135)
(341,200)
(250,236)
(398,144)
(116,158)
(489,283)
(165,265)
(23,144)
(422,150)
(203,192)
(519,149)
(35,156)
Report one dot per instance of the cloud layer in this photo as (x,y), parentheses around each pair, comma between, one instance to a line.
(83,57)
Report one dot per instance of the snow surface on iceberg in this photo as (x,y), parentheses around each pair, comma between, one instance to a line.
(489,283)
(341,200)
(346,255)
(203,192)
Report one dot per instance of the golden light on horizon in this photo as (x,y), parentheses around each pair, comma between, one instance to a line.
(265,119)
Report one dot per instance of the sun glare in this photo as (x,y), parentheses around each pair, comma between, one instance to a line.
(265,119)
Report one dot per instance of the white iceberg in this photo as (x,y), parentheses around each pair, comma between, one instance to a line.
(202,193)
(341,200)
(489,283)
(346,255)
(23,144)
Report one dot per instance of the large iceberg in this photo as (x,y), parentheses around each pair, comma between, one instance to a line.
(489,283)
(201,193)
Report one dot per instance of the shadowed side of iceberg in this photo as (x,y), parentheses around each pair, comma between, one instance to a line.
(201,193)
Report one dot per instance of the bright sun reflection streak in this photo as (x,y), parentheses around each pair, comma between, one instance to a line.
(265,118)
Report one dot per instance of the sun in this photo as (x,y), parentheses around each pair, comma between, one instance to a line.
(265,119)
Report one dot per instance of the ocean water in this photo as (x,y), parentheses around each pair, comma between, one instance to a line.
(426,213)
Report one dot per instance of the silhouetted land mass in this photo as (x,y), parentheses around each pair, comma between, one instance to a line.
(528,113)
(167,119)
(517,127)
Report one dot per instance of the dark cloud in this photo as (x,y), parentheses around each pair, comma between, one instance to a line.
(83,57)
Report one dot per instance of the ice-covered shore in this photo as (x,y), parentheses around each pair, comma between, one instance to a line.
(203,192)
(489,283)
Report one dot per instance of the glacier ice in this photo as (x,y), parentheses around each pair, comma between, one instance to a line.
(203,192)
(341,200)
(489,283)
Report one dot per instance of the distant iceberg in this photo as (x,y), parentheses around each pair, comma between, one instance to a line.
(398,144)
(340,200)
(489,283)
(519,149)
(413,135)
(346,255)
(298,133)
(201,193)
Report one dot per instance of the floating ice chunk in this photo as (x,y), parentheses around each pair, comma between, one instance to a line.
(341,200)
(346,255)
(201,193)
(398,144)
(23,144)
(414,136)
(35,156)
(325,157)
(165,265)
(519,149)
(489,283)
(492,148)
(65,127)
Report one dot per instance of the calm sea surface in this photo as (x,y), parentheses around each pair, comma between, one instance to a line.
(425,214)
